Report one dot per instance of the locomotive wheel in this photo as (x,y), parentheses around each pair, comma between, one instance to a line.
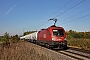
(37,43)
(47,45)
(65,47)
(34,41)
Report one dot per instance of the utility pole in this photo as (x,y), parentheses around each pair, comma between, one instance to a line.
(23,30)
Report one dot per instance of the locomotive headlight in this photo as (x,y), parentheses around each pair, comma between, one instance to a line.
(64,38)
(52,38)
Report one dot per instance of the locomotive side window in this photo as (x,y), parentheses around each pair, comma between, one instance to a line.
(48,32)
(58,32)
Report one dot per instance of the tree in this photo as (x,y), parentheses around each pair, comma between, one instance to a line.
(14,39)
(5,38)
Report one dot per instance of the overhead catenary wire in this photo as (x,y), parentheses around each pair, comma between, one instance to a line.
(76,19)
(76,14)
(61,8)
(52,15)
(70,8)
(42,24)
(63,11)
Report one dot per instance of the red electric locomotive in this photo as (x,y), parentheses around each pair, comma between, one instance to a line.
(52,37)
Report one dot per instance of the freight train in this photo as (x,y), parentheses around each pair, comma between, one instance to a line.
(51,37)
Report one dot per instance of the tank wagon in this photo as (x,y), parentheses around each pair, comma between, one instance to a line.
(52,37)
(22,38)
(30,37)
(33,37)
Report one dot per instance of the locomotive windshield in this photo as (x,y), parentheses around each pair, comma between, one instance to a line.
(58,32)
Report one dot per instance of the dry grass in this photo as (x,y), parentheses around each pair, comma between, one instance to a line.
(21,51)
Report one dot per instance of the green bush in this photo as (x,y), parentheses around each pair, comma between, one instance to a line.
(14,39)
(9,39)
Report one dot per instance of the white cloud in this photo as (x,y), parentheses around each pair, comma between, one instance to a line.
(10,9)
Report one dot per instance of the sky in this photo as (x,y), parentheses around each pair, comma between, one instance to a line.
(18,16)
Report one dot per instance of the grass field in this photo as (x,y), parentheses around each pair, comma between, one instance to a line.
(21,51)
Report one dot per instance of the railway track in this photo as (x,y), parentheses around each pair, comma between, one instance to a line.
(72,53)
(81,50)
(75,53)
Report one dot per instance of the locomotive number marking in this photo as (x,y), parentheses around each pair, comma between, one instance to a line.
(44,36)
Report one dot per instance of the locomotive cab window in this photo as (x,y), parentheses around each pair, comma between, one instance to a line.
(58,32)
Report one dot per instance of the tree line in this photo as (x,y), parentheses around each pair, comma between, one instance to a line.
(70,34)
(28,32)
(74,34)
